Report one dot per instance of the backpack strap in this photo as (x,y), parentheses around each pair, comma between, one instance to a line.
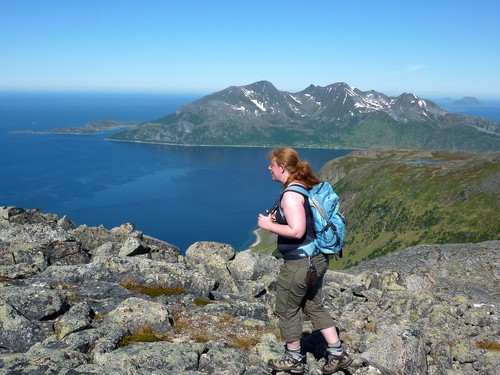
(294,187)
(298,189)
(310,250)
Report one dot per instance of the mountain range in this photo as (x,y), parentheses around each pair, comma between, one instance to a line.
(337,115)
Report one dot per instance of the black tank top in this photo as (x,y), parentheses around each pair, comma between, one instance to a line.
(289,247)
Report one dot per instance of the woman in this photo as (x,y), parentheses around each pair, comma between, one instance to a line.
(293,223)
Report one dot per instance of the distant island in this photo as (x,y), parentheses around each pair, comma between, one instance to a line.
(93,127)
(467,101)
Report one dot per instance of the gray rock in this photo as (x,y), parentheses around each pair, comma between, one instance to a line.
(35,302)
(133,246)
(136,314)
(124,229)
(48,362)
(221,360)
(254,274)
(397,350)
(210,260)
(17,333)
(154,358)
(211,253)
(102,296)
(66,223)
(36,239)
(77,318)
(61,253)
(24,270)
(108,249)
(7,211)
(93,237)
(162,251)
(429,309)
(440,263)
(57,359)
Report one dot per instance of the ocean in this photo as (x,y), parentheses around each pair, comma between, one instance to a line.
(489,109)
(177,194)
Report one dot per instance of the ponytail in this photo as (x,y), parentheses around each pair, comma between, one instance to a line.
(305,175)
(299,170)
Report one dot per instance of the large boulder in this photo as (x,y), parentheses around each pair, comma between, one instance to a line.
(36,241)
(397,350)
(136,313)
(35,302)
(210,260)
(254,274)
(17,332)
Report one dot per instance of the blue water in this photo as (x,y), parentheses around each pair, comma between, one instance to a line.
(430,162)
(489,108)
(177,194)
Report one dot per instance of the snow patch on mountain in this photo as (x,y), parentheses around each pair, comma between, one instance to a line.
(259,104)
(250,94)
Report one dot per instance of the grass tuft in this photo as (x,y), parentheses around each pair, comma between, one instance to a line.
(201,301)
(144,334)
(153,290)
(488,345)
(5,279)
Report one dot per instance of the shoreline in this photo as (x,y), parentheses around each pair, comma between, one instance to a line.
(257,240)
(229,145)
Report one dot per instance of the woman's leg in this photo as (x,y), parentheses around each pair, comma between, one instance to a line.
(313,303)
(290,293)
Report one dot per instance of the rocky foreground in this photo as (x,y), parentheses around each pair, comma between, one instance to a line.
(87,300)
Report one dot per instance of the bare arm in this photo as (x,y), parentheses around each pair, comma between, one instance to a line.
(292,204)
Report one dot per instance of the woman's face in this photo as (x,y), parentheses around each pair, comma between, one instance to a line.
(276,170)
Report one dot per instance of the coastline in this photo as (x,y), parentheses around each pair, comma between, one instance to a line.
(258,239)
(229,145)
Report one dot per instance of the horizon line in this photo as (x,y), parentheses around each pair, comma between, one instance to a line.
(204,93)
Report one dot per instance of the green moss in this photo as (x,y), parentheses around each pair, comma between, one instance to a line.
(145,334)
(201,301)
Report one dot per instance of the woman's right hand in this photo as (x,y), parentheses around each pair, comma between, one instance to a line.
(265,221)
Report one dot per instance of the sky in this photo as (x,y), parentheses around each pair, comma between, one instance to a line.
(432,48)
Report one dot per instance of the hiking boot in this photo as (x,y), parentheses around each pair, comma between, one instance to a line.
(288,363)
(335,362)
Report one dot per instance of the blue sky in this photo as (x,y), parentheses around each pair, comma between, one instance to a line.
(433,48)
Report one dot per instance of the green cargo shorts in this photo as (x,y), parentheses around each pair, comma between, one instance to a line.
(293,295)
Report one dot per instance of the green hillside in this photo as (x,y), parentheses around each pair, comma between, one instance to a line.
(396,198)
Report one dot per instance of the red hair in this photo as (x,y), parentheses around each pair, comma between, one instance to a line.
(299,170)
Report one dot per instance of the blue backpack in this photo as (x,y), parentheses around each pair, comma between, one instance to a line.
(329,223)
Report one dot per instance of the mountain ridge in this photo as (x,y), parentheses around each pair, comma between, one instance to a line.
(337,115)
